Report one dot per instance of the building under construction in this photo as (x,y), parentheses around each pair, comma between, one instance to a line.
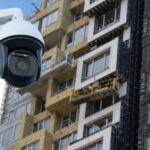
(94,90)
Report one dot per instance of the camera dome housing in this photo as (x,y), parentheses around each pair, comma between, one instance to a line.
(21,50)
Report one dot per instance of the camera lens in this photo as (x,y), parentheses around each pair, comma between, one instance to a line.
(22,64)
(22,68)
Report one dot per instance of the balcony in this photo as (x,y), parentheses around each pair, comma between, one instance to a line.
(108,24)
(76,6)
(94,92)
(56,63)
(53,24)
(40,136)
(60,103)
(97,7)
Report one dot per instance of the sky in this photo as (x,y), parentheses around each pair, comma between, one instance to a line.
(25,5)
(27,8)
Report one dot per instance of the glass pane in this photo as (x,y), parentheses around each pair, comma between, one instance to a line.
(20,110)
(54,17)
(56,145)
(48,3)
(30,147)
(118,13)
(28,108)
(89,69)
(109,17)
(62,86)
(70,40)
(35,127)
(90,129)
(109,120)
(35,146)
(148,143)
(65,121)
(25,148)
(92,107)
(47,123)
(7,138)
(64,142)
(106,102)
(98,65)
(100,124)
(107,60)
(69,82)
(48,20)
(73,116)
(74,137)
(16,132)
(79,35)
(11,115)
(99,146)
(86,31)
(1,134)
(99,23)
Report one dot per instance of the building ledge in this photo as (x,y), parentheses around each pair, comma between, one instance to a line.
(60,102)
(76,6)
(97,8)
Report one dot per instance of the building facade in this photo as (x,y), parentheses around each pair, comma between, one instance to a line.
(89,94)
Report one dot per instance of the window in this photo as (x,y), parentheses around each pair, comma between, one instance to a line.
(68,119)
(92,1)
(33,146)
(50,2)
(42,107)
(65,85)
(147,145)
(46,66)
(15,113)
(50,20)
(107,19)
(97,126)
(16,132)
(14,96)
(95,66)
(9,136)
(96,106)
(64,142)
(96,146)
(77,36)
(42,124)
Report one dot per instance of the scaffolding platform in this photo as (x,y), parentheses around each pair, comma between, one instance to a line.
(94,92)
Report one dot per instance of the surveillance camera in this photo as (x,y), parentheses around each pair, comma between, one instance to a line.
(21,50)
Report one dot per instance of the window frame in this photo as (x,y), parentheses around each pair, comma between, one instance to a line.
(96,26)
(102,56)
(13,130)
(73,36)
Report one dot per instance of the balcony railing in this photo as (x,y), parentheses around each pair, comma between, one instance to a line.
(102,89)
(54,68)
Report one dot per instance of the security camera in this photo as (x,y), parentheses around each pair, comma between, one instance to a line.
(21,49)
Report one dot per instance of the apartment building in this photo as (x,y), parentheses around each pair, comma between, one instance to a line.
(88,95)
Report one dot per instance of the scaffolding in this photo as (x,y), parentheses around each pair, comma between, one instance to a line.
(96,91)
